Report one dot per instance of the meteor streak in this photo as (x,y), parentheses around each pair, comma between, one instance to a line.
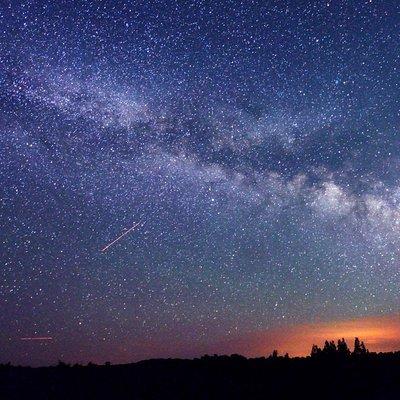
(119,237)
(37,338)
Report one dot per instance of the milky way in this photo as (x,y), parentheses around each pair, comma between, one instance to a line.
(259,141)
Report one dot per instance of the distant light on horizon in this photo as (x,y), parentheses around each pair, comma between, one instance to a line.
(379,334)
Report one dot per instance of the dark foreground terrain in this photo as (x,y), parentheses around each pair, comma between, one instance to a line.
(374,376)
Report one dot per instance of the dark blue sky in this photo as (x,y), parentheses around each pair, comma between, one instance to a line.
(257,143)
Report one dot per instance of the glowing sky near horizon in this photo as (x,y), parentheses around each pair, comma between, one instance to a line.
(259,141)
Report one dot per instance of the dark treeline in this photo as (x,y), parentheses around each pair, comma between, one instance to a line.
(339,351)
(331,372)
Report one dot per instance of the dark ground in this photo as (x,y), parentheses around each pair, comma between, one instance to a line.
(376,376)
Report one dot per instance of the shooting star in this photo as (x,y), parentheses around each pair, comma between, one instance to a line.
(37,338)
(119,237)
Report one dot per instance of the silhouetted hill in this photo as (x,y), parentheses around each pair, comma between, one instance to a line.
(371,376)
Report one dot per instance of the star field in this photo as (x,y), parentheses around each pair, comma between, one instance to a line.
(256,143)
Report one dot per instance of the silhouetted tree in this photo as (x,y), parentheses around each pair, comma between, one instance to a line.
(274,354)
(237,357)
(364,350)
(62,364)
(329,349)
(357,351)
(342,349)
(315,351)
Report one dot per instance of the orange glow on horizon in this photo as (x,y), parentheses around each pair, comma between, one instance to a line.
(378,334)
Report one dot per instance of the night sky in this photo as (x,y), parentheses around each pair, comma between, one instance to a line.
(255,145)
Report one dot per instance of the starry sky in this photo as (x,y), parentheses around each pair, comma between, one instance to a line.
(256,144)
